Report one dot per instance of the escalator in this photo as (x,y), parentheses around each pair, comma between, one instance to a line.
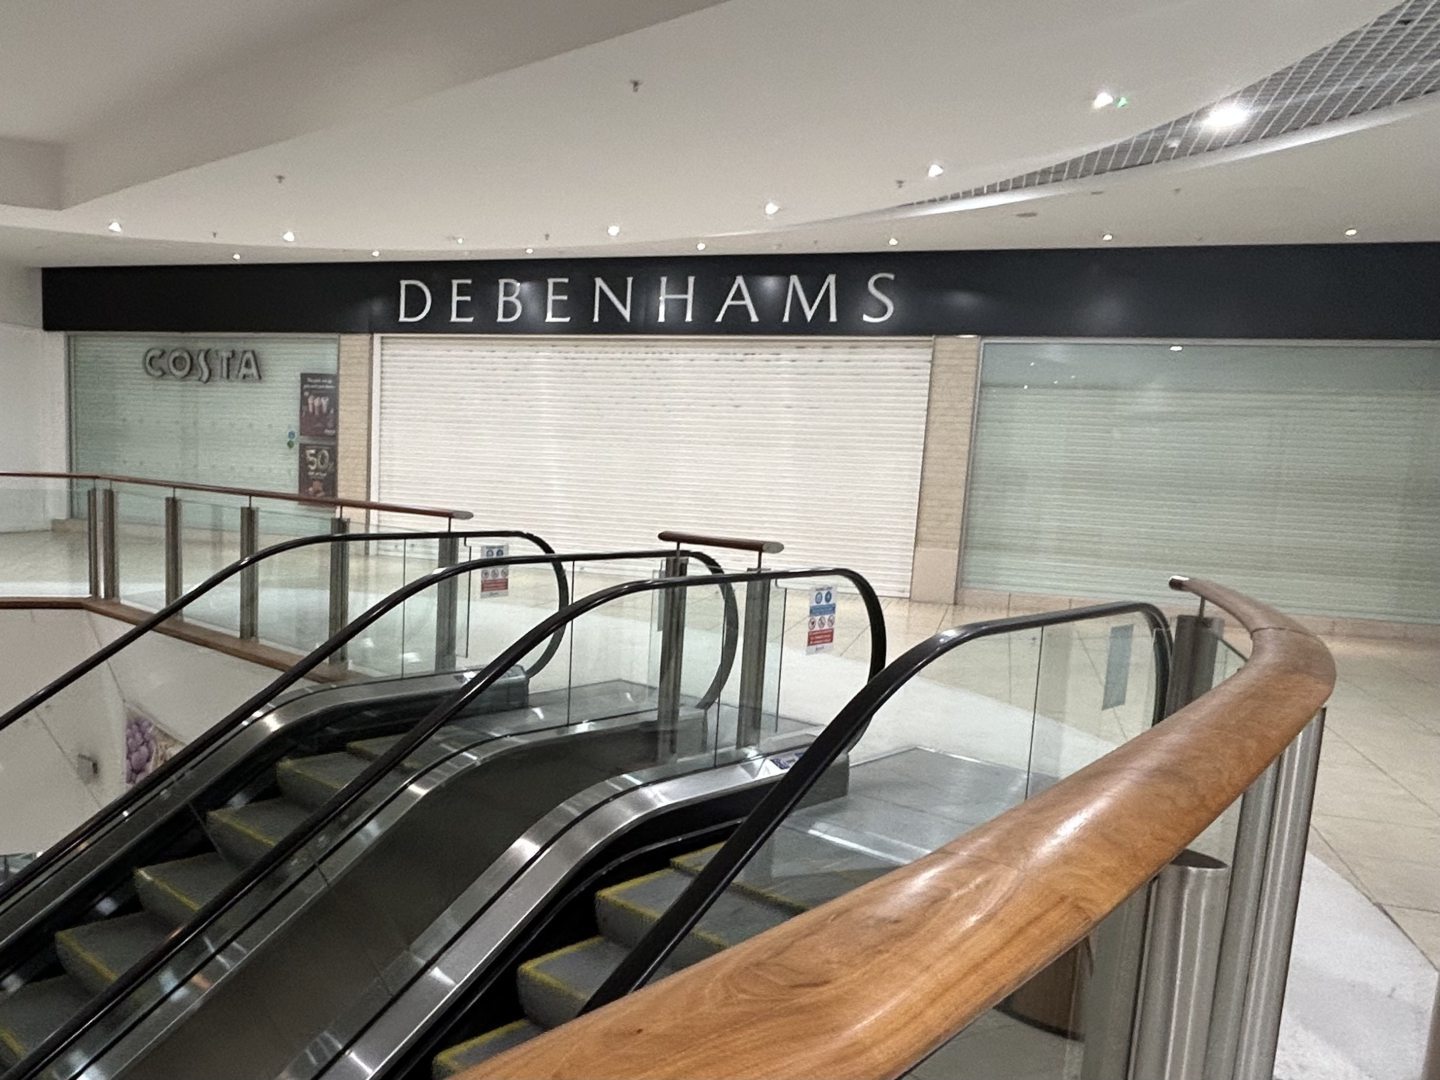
(847,810)
(109,901)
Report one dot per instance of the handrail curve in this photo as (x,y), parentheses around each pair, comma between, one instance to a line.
(250,493)
(869,984)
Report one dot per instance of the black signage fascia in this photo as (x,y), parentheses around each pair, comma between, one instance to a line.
(1340,291)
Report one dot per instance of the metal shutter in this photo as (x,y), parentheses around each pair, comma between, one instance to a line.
(600,443)
(1307,475)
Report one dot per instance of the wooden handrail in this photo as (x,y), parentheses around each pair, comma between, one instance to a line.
(736,543)
(869,984)
(250,493)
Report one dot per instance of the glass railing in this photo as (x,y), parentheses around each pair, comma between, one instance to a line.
(144,542)
(952,734)
(655,678)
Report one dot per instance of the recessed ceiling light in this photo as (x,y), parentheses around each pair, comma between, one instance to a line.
(613,230)
(936,169)
(700,245)
(1177,348)
(459,239)
(115,227)
(236,256)
(288,236)
(1228,115)
(529,251)
(375,254)
(772,208)
(1102,99)
(1351,232)
(893,241)
(1107,236)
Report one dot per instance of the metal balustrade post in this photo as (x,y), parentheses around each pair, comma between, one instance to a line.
(446,605)
(92,541)
(174,558)
(1237,940)
(754,644)
(1431,1069)
(1187,914)
(672,653)
(339,587)
(1288,835)
(111,588)
(1192,671)
(1110,998)
(249,577)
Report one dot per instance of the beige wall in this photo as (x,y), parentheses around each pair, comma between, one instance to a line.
(954,369)
(353,440)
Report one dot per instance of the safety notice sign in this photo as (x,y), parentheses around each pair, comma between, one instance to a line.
(494,580)
(820,633)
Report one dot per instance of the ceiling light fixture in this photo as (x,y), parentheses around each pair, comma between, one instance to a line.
(936,169)
(115,227)
(700,245)
(1177,348)
(1107,236)
(375,254)
(1351,232)
(613,230)
(893,241)
(1102,99)
(459,239)
(236,256)
(1230,114)
(772,208)
(529,251)
(288,236)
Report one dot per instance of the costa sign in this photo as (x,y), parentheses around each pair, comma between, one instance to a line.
(202,365)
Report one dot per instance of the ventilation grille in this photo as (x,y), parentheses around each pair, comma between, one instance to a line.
(1393,59)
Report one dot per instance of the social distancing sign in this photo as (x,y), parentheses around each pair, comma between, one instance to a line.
(820,631)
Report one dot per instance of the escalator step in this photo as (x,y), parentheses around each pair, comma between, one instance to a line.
(98,952)
(311,781)
(554,987)
(175,890)
(626,911)
(796,870)
(247,832)
(34,1012)
(473,1051)
(370,749)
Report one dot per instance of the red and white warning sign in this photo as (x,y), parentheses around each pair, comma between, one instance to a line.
(820,631)
(494,580)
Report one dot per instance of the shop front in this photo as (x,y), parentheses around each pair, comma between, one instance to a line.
(954,425)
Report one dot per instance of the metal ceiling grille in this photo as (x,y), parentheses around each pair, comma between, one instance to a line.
(1393,59)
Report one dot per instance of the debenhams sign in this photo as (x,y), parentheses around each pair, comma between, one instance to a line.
(617,302)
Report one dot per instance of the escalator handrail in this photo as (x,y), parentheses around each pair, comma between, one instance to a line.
(838,737)
(196,747)
(140,629)
(45,1054)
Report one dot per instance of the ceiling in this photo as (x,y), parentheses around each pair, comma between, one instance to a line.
(437,128)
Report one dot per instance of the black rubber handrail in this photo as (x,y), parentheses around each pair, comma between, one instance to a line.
(194,749)
(838,737)
(45,1054)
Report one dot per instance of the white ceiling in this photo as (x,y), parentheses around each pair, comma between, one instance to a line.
(401,125)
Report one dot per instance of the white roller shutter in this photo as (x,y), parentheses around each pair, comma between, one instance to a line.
(600,443)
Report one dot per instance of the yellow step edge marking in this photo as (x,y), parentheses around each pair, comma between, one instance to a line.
(531,968)
(86,955)
(239,826)
(453,1055)
(165,886)
(10,1039)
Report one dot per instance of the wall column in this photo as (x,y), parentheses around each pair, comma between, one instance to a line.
(352,448)
(954,372)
